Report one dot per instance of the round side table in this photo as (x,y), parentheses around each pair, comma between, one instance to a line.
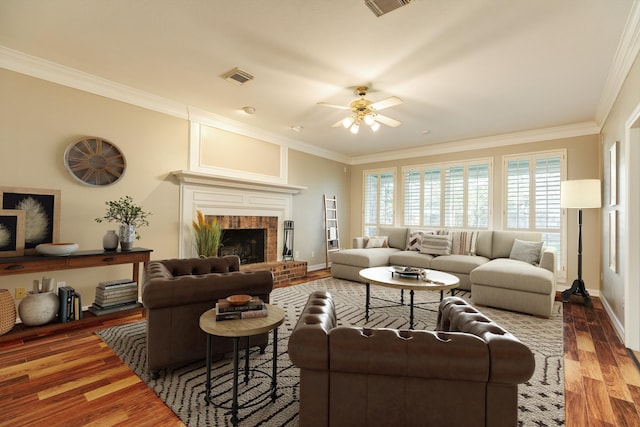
(236,329)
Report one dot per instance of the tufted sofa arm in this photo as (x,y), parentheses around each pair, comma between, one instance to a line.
(511,360)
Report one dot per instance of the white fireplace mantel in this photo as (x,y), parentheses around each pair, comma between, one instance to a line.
(197,178)
(219,195)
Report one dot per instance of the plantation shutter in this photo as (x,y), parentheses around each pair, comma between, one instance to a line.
(478,196)
(432,195)
(412,197)
(454,197)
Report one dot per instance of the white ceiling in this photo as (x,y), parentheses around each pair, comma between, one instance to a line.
(465,69)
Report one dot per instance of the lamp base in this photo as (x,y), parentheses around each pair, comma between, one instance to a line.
(577,288)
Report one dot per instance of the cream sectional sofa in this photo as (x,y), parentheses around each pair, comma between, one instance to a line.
(492,274)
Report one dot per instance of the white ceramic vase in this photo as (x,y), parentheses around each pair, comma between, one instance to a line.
(110,241)
(127,237)
(38,308)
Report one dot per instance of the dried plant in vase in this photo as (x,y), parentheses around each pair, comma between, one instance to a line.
(208,235)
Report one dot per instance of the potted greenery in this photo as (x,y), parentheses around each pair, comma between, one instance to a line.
(208,235)
(130,217)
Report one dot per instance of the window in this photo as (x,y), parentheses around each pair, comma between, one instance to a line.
(378,200)
(532,198)
(449,195)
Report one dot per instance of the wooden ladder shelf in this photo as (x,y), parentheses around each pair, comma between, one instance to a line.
(331,229)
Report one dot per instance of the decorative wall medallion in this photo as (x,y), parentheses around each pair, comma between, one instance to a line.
(95,161)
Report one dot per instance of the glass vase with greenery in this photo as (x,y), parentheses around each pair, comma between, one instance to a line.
(208,235)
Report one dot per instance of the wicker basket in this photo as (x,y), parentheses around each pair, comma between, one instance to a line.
(7,311)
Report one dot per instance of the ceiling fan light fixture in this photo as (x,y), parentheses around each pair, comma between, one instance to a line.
(354,128)
(369,119)
(375,126)
(347,122)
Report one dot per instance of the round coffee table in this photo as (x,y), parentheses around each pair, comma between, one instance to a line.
(388,277)
(236,329)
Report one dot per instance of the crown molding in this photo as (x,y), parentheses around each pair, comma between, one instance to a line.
(52,72)
(46,70)
(626,54)
(558,132)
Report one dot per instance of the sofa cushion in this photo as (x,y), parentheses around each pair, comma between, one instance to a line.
(514,274)
(363,257)
(528,252)
(463,242)
(376,242)
(397,236)
(457,263)
(411,259)
(503,241)
(414,240)
(435,245)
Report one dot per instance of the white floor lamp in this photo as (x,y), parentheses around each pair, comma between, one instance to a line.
(579,194)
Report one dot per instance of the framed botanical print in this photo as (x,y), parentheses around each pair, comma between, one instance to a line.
(11,232)
(42,214)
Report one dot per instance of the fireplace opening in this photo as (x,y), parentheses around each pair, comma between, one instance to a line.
(247,243)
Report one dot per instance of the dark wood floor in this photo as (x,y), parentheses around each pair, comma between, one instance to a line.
(69,377)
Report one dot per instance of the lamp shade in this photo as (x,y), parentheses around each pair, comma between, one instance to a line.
(580,194)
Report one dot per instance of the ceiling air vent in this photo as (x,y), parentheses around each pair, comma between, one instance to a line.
(380,7)
(238,76)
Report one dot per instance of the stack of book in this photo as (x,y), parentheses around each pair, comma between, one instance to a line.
(70,304)
(114,296)
(227,311)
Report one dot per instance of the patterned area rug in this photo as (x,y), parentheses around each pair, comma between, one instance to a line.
(541,399)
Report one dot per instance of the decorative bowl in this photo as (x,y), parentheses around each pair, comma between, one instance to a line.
(56,249)
(238,299)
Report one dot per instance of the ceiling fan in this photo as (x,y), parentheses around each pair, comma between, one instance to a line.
(363,110)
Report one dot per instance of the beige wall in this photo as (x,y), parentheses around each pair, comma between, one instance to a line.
(583,161)
(37,122)
(39,119)
(320,176)
(614,130)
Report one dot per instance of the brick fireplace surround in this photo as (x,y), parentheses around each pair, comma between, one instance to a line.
(283,271)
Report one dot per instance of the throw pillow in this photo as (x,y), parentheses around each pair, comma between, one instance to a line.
(376,242)
(415,239)
(463,242)
(435,245)
(526,251)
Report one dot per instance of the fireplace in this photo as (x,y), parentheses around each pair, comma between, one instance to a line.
(253,238)
(248,244)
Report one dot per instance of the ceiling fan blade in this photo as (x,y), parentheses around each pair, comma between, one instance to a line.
(386,103)
(337,124)
(339,107)
(387,121)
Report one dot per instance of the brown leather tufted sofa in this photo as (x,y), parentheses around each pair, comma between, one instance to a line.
(466,373)
(176,292)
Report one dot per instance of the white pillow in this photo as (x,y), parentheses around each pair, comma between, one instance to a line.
(435,245)
(376,242)
(526,251)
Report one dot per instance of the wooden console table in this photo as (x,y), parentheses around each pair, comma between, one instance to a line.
(80,259)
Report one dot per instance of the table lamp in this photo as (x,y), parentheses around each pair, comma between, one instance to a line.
(579,194)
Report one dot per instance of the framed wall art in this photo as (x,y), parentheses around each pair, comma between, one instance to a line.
(42,214)
(11,232)
(613,174)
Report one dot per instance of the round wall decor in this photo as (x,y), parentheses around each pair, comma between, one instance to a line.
(95,161)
